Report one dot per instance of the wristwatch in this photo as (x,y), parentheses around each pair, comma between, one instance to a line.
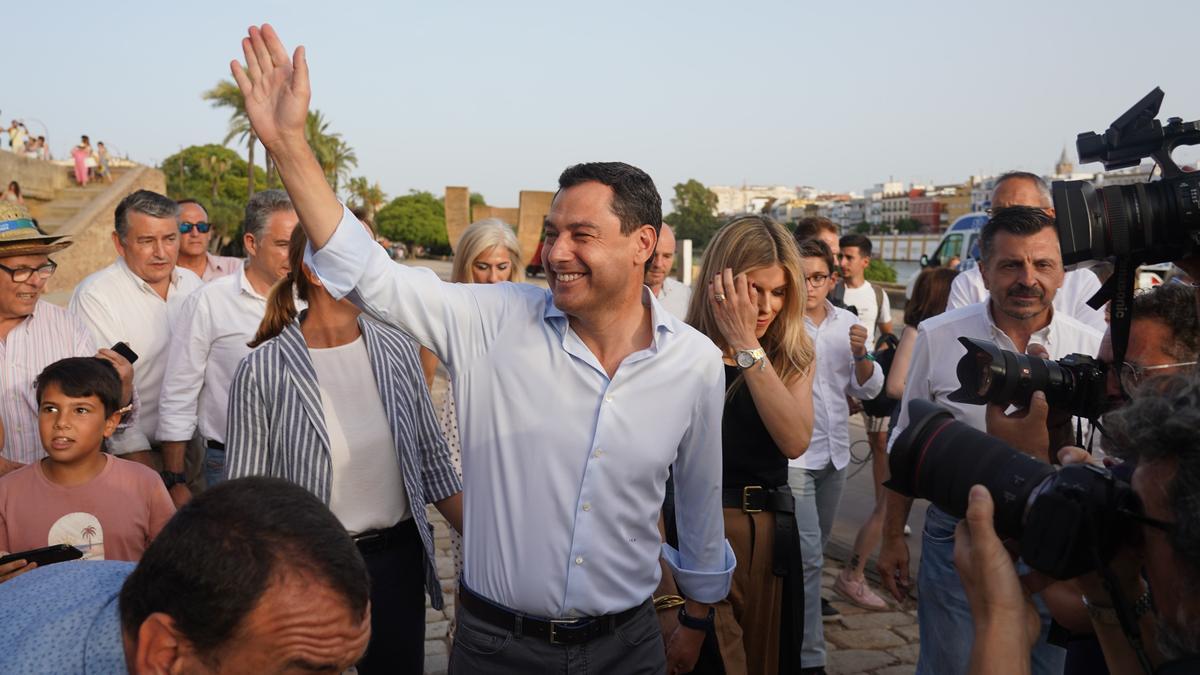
(171,479)
(694,623)
(1108,615)
(748,357)
(865,357)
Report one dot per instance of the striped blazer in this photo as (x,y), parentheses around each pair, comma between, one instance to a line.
(277,423)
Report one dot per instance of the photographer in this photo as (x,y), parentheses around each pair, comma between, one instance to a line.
(1022,267)
(1160,429)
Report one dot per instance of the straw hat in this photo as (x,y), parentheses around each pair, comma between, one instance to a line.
(19,236)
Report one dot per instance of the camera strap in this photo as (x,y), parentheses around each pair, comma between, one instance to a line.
(1118,291)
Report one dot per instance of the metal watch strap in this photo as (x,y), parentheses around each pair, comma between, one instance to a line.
(1108,615)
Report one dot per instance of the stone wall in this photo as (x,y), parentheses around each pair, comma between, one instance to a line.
(534,206)
(91,229)
(39,179)
(458,213)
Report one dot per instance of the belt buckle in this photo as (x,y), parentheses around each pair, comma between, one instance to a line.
(746,492)
(554,623)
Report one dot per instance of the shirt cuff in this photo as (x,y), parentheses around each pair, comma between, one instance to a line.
(704,587)
(340,262)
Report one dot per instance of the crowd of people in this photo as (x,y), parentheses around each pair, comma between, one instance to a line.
(21,142)
(643,475)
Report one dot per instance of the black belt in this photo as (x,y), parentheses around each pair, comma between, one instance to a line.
(215,445)
(379,540)
(554,631)
(756,498)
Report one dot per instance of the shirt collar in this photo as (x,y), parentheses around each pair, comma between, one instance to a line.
(140,282)
(246,286)
(1044,336)
(660,317)
(830,311)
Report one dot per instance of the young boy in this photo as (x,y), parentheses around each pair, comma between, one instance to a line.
(108,507)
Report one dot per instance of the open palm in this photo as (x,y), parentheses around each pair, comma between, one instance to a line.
(274,86)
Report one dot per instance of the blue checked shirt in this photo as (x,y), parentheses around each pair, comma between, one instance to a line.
(564,468)
(277,423)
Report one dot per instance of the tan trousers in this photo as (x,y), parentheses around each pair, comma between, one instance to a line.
(747,622)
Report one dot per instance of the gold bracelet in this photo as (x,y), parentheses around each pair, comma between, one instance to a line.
(667,602)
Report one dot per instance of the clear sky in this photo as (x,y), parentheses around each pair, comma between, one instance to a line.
(501,96)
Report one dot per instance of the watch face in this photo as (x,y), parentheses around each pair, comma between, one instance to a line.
(745,359)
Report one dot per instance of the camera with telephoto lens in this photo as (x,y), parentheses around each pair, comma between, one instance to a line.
(987,374)
(1144,223)
(1068,521)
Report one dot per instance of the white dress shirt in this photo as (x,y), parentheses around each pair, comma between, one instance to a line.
(564,468)
(932,373)
(119,306)
(1078,287)
(674,297)
(834,380)
(208,341)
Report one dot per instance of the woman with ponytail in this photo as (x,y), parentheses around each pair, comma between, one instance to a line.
(336,402)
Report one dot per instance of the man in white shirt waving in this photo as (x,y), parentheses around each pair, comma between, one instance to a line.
(1022,267)
(1020,188)
(573,405)
(212,333)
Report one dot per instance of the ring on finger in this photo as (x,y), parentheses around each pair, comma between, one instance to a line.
(719,297)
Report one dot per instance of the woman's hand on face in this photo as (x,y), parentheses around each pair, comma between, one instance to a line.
(735,308)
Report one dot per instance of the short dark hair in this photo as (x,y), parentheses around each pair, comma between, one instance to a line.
(261,207)
(197,202)
(859,241)
(635,201)
(1162,422)
(931,294)
(147,203)
(1023,221)
(1175,306)
(84,376)
(1038,182)
(811,227)
(210,565)
(815,248)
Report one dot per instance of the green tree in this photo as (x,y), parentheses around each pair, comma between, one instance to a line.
(879,270)
(475,199)
(415,218)
(909,225)
(215,175)
(861,227)
(694,215)
(366,195)
(227,95)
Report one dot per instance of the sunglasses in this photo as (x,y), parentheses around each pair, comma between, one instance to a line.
(202,228)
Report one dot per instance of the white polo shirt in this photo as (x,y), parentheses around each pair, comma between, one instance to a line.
(1078,287)
(118,306)
(675,297)
(932,373)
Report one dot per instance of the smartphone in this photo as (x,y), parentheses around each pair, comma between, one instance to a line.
(45,556)
(124,350)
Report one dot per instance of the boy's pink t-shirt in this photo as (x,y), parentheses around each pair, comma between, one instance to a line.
(118,512)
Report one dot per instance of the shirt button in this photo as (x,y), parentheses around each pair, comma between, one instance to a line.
(579,560)
(587,507)
(608,398)
(597,453)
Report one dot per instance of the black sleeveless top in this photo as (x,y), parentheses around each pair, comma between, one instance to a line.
(750,454)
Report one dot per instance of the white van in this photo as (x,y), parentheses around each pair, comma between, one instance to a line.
(960,241)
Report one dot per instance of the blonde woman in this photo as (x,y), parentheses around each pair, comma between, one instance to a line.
(488,253)
(753,309)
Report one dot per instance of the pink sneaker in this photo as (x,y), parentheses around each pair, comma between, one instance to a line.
(858,593)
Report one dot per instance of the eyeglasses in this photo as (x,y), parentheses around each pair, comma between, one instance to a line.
(202,228)
(1132,375)
(816,280)
(22,274)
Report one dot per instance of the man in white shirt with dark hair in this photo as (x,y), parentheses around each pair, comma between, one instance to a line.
(1022,266)
(1019,188)
(211,336)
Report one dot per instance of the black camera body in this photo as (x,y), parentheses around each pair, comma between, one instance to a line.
(1145,223)
(1075,383)
(1068,521)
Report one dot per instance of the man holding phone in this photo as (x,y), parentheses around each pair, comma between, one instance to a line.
(34,333)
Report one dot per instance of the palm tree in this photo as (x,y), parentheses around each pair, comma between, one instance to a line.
(335,156)
(214,168)
(370,197)
(227,95)
(342,159)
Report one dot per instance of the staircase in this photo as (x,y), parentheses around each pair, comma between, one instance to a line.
(54,215)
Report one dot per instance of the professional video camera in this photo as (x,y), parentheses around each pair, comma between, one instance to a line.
(1068,521)
(987,374)
(1130,225)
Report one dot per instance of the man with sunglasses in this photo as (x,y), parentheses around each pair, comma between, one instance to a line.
(211,336)
(34,333)
(195,233)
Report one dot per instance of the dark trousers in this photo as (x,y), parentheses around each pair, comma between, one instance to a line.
(397,571)
(635,648)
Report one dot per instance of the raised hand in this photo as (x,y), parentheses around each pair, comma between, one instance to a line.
(274,86)
(858,340)
(735,309)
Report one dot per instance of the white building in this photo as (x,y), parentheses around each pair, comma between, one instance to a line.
(750,198)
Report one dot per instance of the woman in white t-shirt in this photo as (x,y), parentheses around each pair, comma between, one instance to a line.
(335,402)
